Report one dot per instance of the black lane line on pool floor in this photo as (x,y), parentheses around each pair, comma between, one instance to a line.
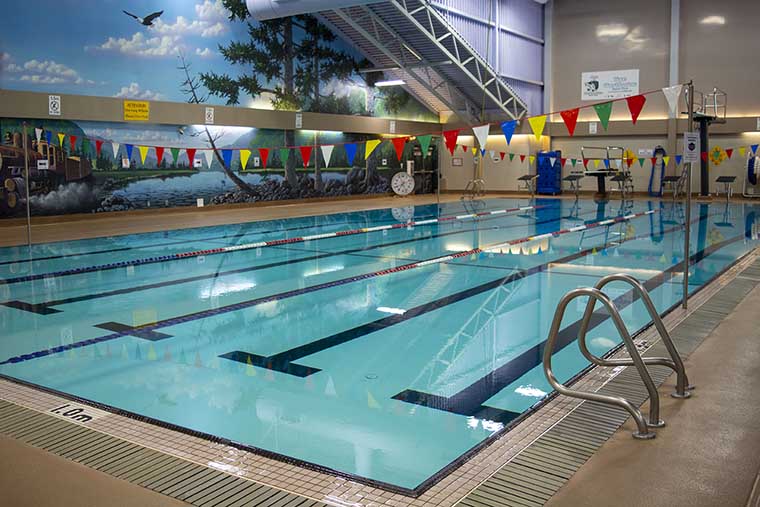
(139,331)
(45,308)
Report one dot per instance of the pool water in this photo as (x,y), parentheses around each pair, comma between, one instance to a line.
(348,352)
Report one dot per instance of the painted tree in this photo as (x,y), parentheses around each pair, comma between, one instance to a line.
(289,59)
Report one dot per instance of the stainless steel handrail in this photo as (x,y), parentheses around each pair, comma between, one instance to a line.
(675,362)
(597,295)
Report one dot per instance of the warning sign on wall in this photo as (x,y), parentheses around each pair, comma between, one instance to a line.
(136,110)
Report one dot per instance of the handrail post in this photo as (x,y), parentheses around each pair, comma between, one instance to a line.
(597,295)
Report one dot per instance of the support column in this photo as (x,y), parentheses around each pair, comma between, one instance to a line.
(673,74)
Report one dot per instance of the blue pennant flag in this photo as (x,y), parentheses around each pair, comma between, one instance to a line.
(351,152)
(227,157)
(49,137)
(678,159)
(129,151)
(754,148)
(508,127)
(607,163)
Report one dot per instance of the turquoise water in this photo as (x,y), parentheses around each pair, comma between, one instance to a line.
(286,349)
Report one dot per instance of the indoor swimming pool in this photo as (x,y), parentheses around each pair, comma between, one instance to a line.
(384,345)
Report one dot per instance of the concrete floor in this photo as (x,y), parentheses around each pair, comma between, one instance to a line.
(709,452)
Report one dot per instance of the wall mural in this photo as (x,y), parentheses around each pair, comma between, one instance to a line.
(205,51)
(92,167)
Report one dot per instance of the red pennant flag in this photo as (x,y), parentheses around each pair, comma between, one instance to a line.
(704,156)
(190,156)
(305,154)
(571,118)
(159,154)
(98,146)
(264,154)
(562,161)
(654,161)
(502,154)
(522,158)
(398,145)
(73,141)
(585,162)
(450,137)
(635,105)
(729,152)
(464,148)
(630,161)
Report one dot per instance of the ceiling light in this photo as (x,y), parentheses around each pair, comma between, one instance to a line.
(713,20)
(392,82)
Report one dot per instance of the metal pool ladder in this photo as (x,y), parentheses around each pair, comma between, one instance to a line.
(594,295)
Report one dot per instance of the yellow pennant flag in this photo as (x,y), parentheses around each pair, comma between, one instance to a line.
(244,156)
(143,153)
(742,149)
(537,124)
(61,136)
(596,163)
(666,159)
(532,158)
(370,147)
(474,150)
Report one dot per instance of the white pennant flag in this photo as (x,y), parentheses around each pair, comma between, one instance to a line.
(552,160)
(618,163)
(38,133)
(115,148)
(481,133)
(492,154)
(327,150)
(209,157)
(672,93)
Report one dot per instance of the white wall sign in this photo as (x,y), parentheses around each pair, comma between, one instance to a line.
(691,147)
(43,164)
(54,105)
(209,116)
(758,124)
(125,164)
(610,84)
(392,126)
(197,163)
(591,130)
(299,120)
(199,202)
(256,162)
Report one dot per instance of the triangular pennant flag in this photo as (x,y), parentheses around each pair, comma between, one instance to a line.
(596,163)
(327,150)
(574,161)
(654,161)
(618,163)
(502,154)
(481,134)
(704,156)
(742,150)
(678,160)
(129,150)
(85,146)
(666,160)
(369,147)
(450,138)
(246,154)
(61,137)
(190,156)
(492,154)
(159,155)
(38,134)
(607,163)
(585,163)
(537,124)
(729,152)
(522,158)
(98,146)
(630,161)
(672,93)
(305,154)
(603,111)
(508,127)
(73,141)
(552,160)
(209,154)
(641,162)
(424,143)
(531,159)
(115,148)
(351,152)
(143,153)
(398,145)
(227,157)
(635,105)
(175,154)
(562,161)
(464,148)
(285,153)
(49,137)
(754,148)
(475,150)
(571,118)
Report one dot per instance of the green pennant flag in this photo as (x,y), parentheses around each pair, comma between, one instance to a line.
(284,154)
(511,156)
(603,111)
(573,161)
(85,145)
(175,154)
(424,144)
(641,162)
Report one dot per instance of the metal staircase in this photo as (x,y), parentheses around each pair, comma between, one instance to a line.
(412,41)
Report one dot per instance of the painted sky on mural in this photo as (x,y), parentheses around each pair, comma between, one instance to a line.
(90,47)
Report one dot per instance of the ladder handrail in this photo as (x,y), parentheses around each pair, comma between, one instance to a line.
(597,295)
(675,362)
